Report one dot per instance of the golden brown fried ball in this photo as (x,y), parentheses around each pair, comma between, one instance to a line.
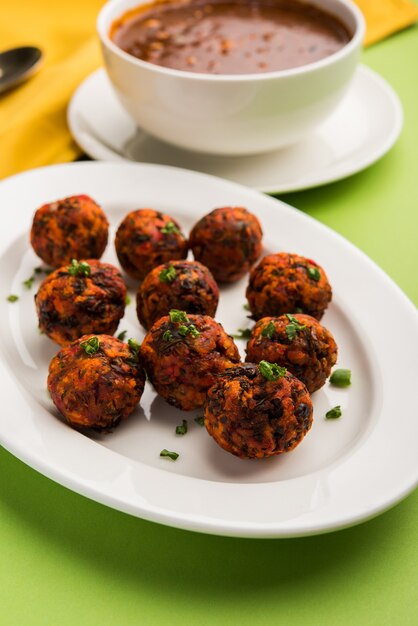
(182,358)
(185,285)
(297,342)
(227,241)
(72,228)
(80,298)
(253,417)
(288,283)
(147,238)
(96,382)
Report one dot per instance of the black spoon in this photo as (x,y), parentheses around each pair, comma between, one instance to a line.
(18,64)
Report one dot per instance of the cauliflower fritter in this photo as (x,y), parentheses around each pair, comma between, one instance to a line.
(147,238)
(72,228)
(185,285)
(227,241)
(288,283)
(297,342)
(252,416)
(182,354)
(96,381)
(81,298)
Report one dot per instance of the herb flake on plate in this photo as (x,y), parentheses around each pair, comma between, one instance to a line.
(182,428)
(169,454)
(29,282)
(242,333)
(333,413)
(341,378)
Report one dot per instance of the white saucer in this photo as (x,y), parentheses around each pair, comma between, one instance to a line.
(362,129)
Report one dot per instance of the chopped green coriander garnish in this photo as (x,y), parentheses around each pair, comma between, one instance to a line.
(12,298)
(178,316)
(79,268)
(38,270)
(90,346)
(271,371)
(182,429)
(200,419)
(188,330)
(269,330)
(183,330)
(332,414)
(193,331)
(48,272)
(168,335)
(168,274)
(29,282)
(341,378)
(127,301)
(134,346)
(246,306)
(314,273)
(122,335)
(170,228)
(294,326)
(242,333)
(171,455)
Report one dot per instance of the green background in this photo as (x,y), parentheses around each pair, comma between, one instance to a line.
(66,560)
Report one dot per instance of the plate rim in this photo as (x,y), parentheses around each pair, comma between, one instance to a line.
(361,165)
(250,529)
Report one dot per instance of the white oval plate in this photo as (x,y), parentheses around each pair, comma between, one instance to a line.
(344,471)
(361,130)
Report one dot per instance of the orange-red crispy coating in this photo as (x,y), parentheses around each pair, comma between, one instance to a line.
(141,243)
(309,355)
(185,285)
(71,306)
(253,417)
(286,283)
(72,228)
(227,241)
(182,368)
(96,391)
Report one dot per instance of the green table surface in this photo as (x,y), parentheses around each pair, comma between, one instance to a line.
(68,561)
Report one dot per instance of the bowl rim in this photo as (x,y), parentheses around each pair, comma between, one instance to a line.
(103,24)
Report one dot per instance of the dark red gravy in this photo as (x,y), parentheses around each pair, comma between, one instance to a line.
(229,36)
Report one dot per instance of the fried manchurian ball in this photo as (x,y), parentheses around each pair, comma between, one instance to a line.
(254,417)
(96,381)
(297,342)
(72,228)
(81,298)
(227,241)
(182,354)
(288,283)
(185,285)
(147,238)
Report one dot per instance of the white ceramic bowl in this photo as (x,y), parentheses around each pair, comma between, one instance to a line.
(231,114)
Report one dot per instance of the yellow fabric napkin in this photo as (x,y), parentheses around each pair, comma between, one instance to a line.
(384,17)
(33,128)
